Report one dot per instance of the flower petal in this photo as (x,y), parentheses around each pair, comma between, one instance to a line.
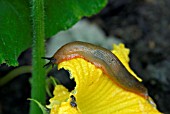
(96,94)
(122,54)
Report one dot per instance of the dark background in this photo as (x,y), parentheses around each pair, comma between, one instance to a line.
(144,27)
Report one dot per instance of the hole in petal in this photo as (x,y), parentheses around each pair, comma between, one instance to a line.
(63,76)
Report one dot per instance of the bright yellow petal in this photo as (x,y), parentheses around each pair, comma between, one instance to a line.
(60,103)
(96,94)
(66,108)
(122,54)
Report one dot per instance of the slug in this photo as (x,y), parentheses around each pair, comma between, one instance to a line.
(103,59)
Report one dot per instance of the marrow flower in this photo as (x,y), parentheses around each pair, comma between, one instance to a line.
(95,93)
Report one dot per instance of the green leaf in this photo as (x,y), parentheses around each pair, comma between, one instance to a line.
(15,25)
(43,108)
(15,30)
(62,14)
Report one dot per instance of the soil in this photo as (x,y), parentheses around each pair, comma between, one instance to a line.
(144,27)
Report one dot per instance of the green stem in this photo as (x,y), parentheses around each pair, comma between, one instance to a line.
(38,72)
(14,73)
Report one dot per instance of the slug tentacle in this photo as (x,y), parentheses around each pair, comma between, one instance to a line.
(51,62)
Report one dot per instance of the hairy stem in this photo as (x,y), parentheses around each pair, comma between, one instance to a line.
(38,72)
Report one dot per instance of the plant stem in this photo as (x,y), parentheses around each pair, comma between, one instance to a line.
(38,72)
(14,73)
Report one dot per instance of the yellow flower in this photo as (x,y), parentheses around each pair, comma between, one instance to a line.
(122,53)
(95,93)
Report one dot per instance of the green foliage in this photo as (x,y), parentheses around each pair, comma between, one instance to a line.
(43,108)
(15,30)
(25,23)
(15,25)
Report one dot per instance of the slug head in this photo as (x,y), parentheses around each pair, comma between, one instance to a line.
(51,61)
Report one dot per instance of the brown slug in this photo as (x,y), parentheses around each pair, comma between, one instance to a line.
(103,59)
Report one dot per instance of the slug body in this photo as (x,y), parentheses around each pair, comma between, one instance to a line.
(103,59)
